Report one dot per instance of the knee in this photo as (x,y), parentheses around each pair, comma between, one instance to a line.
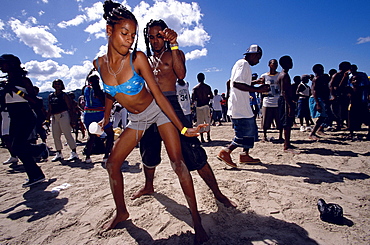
(112,167)
(179,167)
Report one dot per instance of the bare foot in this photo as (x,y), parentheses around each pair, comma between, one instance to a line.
(226,201)
(142,191)
(321,133)
(115,220)
(200,236)
(313,137)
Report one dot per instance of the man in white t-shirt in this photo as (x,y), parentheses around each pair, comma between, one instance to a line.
(270,110)
(243,120)
(183,96)
(217,109)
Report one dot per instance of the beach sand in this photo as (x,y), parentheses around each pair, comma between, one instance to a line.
(277,199)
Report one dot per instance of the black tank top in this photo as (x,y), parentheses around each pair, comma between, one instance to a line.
(57,103)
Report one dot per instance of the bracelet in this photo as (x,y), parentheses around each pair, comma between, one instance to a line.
(183,131)
(174,47)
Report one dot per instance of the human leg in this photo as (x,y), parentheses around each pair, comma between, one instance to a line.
(56,132)
(19,131)
(150,150)
(65,126)
(286,123)
(318,124)
(89,146)
(171,140)
(109,141)
(121,149)
(209,178)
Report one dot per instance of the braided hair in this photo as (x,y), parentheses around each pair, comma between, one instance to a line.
(150,24)
(115,12)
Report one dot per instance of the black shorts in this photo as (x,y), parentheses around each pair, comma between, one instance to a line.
(150,144)
(286,121)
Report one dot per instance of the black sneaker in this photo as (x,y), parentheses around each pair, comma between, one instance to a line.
(33,182)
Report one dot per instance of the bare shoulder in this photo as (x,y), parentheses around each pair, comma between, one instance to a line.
(98,61)
(140,55)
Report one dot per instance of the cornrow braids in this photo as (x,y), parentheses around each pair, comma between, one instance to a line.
(115,12)
(150,24)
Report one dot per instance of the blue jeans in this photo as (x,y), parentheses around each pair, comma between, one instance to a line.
(245,132)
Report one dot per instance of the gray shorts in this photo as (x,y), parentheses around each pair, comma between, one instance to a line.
(143,120)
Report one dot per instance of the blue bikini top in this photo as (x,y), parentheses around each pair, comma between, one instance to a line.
(131,87)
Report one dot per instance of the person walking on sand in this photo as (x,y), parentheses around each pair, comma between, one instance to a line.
(19,94)
(241,113)
(286,102)
(61,110)
(171,68)
(125,76)
(201,96)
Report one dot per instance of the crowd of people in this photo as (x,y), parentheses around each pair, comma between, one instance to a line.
(146,95)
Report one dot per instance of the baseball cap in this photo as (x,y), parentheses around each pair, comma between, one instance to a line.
(10,58)
(253,49)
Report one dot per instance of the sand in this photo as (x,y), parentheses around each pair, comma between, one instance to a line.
(277,199)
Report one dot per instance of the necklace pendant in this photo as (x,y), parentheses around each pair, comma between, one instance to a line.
(155,72)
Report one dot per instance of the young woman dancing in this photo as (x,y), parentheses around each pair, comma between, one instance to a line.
(126,76)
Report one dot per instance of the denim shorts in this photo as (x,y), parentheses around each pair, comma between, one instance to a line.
(245,132)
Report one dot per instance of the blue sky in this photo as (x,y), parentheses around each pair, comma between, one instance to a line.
(59,39)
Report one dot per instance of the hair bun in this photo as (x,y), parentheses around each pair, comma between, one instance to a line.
(109,7)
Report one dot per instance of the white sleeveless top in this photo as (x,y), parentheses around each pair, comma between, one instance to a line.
(183,97)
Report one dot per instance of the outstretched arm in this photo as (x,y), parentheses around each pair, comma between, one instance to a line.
(245,87)
(141,62)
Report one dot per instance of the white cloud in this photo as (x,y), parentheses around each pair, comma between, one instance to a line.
(77,75)
(74,22)
(89,14)
(182,17)
(46,71)
(363,40)
(2,24)
(97,29)
(195,54)
(212,69)
(197,36)
(38,38)
(102,51)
